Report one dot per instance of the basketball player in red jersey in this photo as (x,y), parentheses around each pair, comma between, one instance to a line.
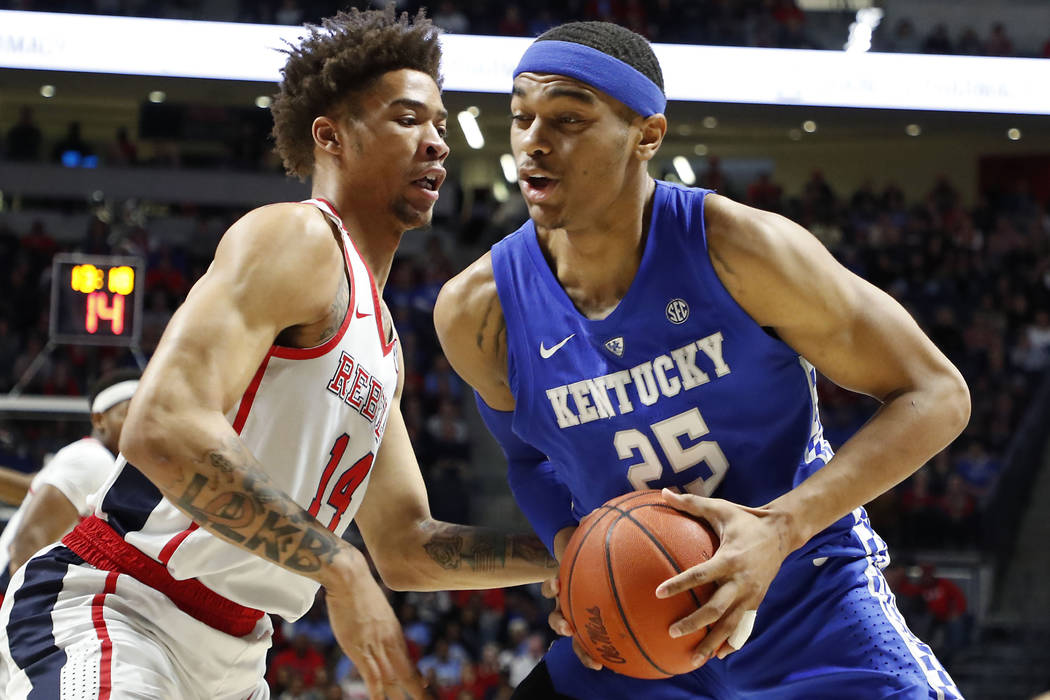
(256,428)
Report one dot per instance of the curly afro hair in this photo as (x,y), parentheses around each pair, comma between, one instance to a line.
(336,62)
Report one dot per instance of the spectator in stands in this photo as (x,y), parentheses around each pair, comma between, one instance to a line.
(904,38)
(938,40)
(958,509)
(301,658)
(944,620)
(511,24)
(24,138)
(1038,334)
(446,668)
(314,625)
(123,151)
(763,193)
(999,42)
(969,43)
(71,143)
(978,469)
(523,661)
(451,18)
(289,13)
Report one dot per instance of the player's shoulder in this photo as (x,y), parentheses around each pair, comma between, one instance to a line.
(84,450)
(282,227)
(739,230)
(275,239)
(468,297)
(469,321)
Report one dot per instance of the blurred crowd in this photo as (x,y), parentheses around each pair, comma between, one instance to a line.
(469,645)
(943,261)
(763,23)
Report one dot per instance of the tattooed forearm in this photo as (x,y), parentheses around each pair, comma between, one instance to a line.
(529,548)
(238,501)
(483,550)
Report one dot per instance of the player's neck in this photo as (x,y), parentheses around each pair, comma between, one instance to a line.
(596,264)
(376,234)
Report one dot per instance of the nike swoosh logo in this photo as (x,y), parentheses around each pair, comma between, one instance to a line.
(547,352)
(358,314)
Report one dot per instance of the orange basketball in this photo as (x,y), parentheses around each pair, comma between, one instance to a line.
(609,573)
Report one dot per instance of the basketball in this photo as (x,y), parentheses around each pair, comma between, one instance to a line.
(609,573)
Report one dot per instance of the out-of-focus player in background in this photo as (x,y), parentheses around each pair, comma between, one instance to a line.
(637,334)
(60,492)
(256,428)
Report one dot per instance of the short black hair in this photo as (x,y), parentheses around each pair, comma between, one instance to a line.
(110,378)
(336,62)
(612,40)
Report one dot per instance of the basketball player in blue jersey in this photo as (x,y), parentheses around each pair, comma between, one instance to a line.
(267,418)
(637,334)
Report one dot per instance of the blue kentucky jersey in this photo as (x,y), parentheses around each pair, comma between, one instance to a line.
(677,387)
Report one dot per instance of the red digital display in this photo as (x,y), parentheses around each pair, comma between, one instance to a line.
(96,299)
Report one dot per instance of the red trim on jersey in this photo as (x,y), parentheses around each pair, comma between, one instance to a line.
(387,347)
(318,350)
(105,663)
(174,542)
(94,541)
(248,398)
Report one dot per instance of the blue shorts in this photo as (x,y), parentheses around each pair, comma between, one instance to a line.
(828,629)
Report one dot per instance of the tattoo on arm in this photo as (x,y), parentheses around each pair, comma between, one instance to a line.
(238,501)
(451,546)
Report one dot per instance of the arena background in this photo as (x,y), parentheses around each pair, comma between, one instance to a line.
(941,197)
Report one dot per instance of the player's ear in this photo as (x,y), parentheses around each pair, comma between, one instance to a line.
(651,136)
(98,423)
(326,135)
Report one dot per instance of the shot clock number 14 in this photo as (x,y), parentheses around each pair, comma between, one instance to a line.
(96,299)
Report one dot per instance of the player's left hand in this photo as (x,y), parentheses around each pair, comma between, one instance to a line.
(752,546)
(550,589)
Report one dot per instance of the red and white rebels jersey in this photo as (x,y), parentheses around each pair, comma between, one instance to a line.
(314,419)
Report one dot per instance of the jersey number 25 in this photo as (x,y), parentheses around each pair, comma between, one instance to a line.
(669,433)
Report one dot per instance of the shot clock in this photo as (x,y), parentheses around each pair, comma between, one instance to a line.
(96,300)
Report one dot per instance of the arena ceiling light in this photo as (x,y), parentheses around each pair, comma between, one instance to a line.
(157,96)
(47,91)
(509,167)
(471,131)
(252,52)
(684,170)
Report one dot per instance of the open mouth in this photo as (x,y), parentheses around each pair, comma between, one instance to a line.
(427,183)
(539,183)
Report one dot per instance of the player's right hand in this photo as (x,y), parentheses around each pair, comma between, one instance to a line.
(559,624)
(368,631)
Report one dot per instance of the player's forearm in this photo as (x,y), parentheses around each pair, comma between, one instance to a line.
(31,538)
(13,485)
(211,476)
(904,434)
(461,557)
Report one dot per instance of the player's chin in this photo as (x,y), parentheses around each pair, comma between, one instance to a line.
(547,216)
(413,216)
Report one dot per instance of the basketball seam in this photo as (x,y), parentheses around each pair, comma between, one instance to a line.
(572,567)
(659,545)
(616,592)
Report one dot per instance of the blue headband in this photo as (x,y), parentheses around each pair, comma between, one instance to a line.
(600,70)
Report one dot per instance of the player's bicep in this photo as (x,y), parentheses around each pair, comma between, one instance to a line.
(852,332)
(255,288)
(472,331)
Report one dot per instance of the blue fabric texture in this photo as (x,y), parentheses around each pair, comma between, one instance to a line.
(599,70)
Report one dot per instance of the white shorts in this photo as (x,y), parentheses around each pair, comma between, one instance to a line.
(69,630)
